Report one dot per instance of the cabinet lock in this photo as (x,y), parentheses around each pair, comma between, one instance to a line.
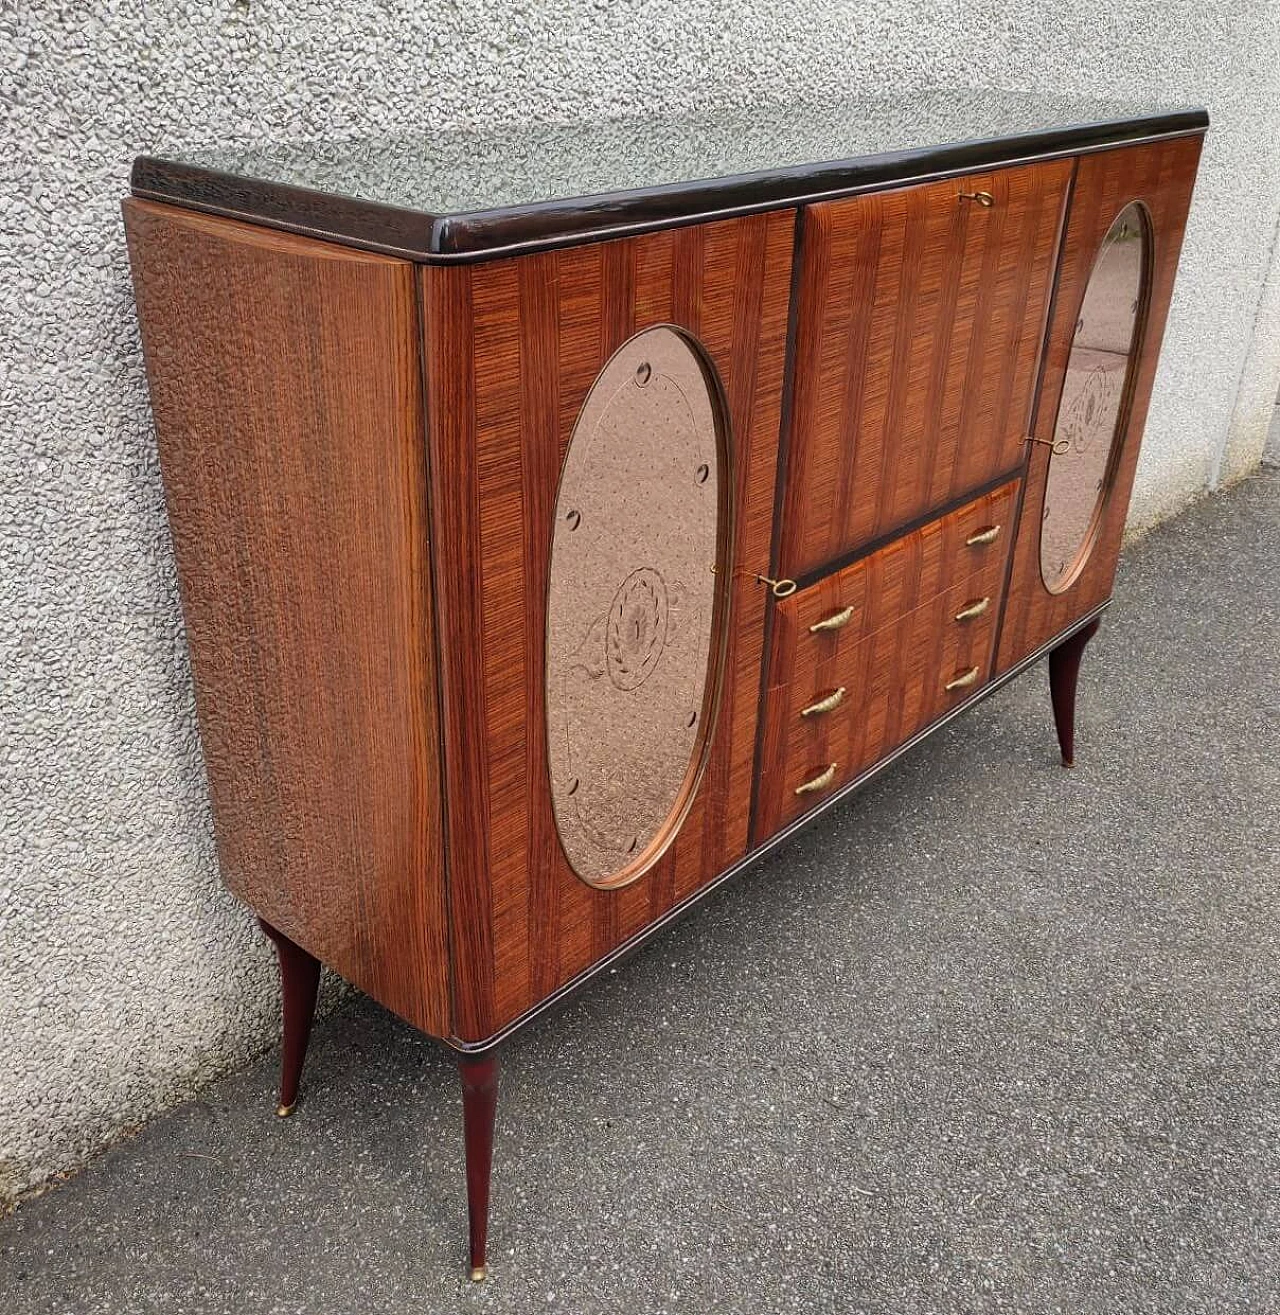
(1058,446)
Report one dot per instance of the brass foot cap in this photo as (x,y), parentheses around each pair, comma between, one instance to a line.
(283,1111)
(1068,762)
(479,1273)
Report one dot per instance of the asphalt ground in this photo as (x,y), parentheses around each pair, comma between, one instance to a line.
(990,1036)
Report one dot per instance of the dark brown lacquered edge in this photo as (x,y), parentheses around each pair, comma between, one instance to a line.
(484,234)
(629,946)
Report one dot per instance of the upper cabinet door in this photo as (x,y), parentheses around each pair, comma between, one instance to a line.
(920,317)
(1119,256)
(603,430)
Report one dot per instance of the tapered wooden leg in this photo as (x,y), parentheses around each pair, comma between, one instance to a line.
(479,1101)
(299,982)
(1064,672)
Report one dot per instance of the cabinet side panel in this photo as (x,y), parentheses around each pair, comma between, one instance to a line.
(513,347)
(1161,176)
(285,383)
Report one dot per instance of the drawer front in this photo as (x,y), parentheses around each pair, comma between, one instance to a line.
(879,589)
(861,661)
(920,317)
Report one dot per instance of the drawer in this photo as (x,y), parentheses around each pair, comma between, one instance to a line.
(920,316)
(862,660)
(813,625)
(839,719)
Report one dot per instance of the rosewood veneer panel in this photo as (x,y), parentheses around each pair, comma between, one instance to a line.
(920,319)
(511,350)
(1161,176)
(285,384)
(900,644)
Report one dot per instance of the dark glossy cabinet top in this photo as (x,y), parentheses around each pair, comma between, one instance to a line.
(463,194)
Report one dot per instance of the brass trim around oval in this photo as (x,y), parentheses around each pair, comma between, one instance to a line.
(970,677)
(832,622)
(827,704)
(819,782)
(988,535)
(976,608)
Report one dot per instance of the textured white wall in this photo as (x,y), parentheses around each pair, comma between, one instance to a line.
(127,976)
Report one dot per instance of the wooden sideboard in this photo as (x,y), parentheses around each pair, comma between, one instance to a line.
(564,516)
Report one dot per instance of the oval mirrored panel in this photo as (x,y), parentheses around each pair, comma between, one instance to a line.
(634,608)
(1093,410)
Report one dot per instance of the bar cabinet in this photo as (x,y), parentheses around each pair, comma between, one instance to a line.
(564,515)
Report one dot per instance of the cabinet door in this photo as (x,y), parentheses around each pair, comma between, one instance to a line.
(920,317)
(1120,253)
(570,420)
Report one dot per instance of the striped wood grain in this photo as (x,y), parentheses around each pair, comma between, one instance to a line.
(894,655)
(920,320)
(1161,176)
(511,350)
(285,384)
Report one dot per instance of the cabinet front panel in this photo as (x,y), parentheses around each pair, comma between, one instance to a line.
(921,313)
(513,349)
(1079,562)
(860,661)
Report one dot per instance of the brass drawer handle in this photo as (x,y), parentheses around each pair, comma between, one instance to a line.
(963,682)
(819,782)
(825,705)
(989,535)
(970,610)
(832,622)
(984,199)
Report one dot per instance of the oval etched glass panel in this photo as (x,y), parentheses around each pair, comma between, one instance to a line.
(634,607)
(1093,410)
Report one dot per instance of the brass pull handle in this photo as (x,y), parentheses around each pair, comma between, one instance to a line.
(825,705)
(984,199)
(819,782)
(970,610)
(989,535)
(964,681)
(832,622)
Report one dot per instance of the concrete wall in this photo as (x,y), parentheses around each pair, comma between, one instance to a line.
(127,977)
